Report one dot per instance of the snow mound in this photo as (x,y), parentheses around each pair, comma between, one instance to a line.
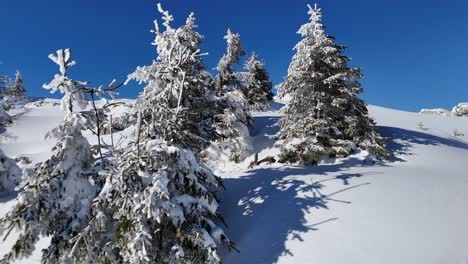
(436,111)
(461,109)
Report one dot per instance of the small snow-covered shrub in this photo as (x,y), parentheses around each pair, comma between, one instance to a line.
(461,109)
(422,127)
(436,111)
(458,133)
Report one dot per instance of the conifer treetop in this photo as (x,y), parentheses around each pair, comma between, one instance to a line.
(234,50)
(67,86)
(226,78)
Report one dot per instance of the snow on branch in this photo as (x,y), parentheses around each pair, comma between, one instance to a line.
(168,18)
(67,86)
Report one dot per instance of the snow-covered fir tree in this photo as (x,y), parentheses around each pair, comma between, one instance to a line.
(257,85)
(324,117)
(159,204)
(15,93)
(227,79)
(176,92)
(17,89)
(5,82)
(234,118)
(10,174)
(232,125)
(57,193)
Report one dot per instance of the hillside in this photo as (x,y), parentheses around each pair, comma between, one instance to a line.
(411,209)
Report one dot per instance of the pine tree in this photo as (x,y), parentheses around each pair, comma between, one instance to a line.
(227,79)
(159,204)
(324,117)
(57,194)
(10,174)
(257,86)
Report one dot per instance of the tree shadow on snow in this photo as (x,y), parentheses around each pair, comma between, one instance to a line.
(268,206)
(264,131)
(6,197)
(265,125)
(400,141)
(275,106)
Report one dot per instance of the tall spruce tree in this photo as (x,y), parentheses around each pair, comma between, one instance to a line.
(159,203)
(257,85)
(227,79)
(57,194)
(234,118)
(324,117)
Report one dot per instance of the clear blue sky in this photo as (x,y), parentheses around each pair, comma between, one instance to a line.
(414,53)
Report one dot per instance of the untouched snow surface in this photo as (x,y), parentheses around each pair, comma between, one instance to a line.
(412,209)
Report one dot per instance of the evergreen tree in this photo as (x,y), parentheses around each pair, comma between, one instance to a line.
(227,79)
(159,204)
(10,173)
(233,119)
(232,124)
(257,85)
(17,89)
(5,82)
(57,194)
(15,93)
(176,92)
(324,116)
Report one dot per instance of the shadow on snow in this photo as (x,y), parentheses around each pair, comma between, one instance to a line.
(264,131)
(266,207)
(269,205)
(400,141)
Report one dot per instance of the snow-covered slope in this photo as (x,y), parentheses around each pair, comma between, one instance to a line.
(412,209)
(26,136)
